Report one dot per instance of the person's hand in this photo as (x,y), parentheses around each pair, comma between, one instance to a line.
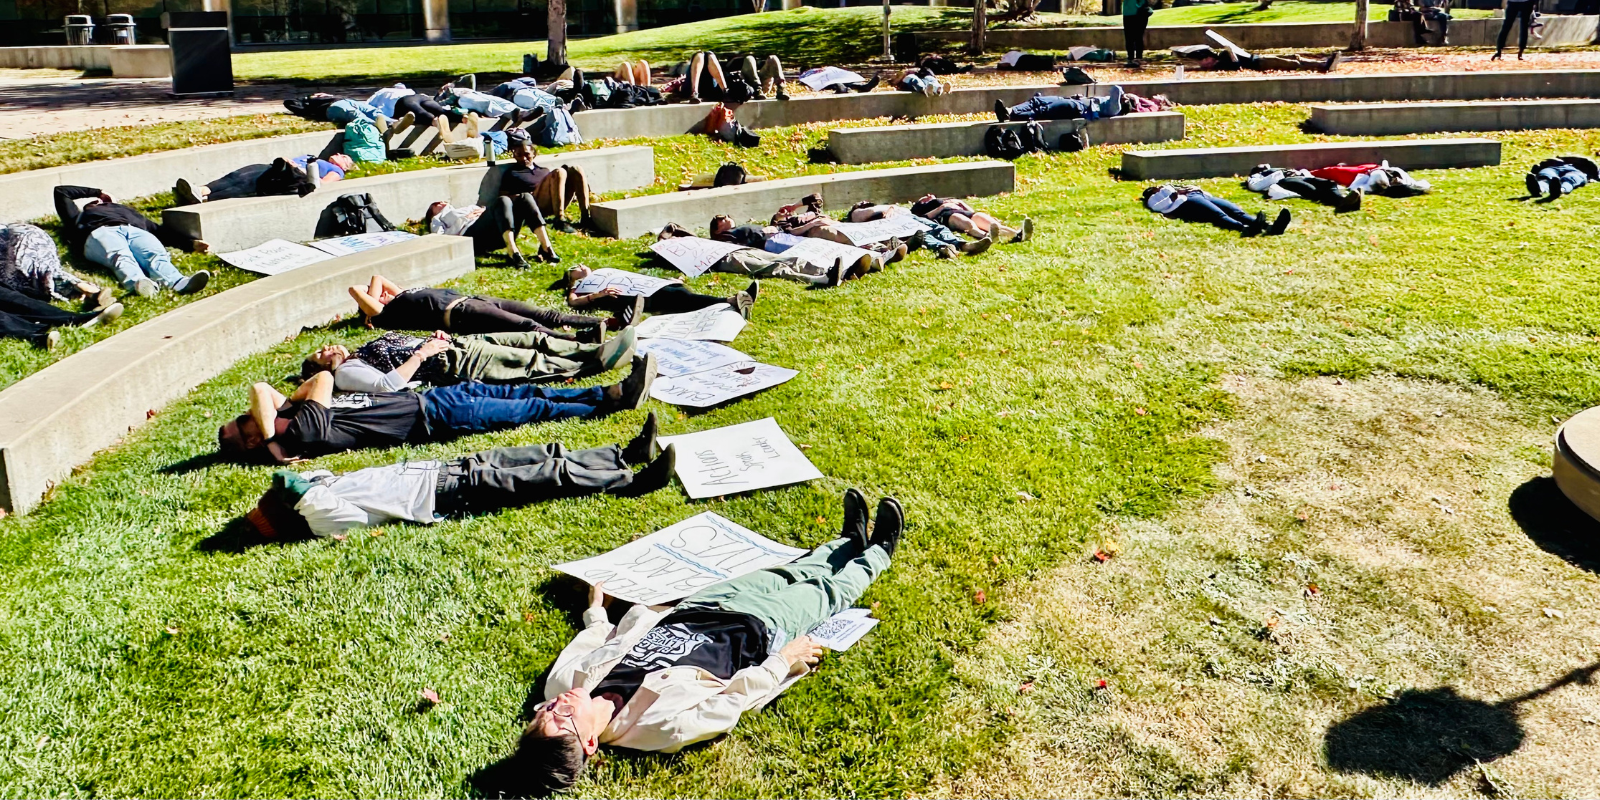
(106,198)
(441,335)
(803,651)
(609,291)
(597,595)
(432,347)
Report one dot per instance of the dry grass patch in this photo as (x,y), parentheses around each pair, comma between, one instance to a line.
(1363,612)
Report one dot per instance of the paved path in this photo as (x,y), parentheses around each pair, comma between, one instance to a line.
(36,106)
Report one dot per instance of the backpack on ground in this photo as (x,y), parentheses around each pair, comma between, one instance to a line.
(730,174)
(352,214)
(554,128)
(283,178)
(362,142)
(1075,140)
(739,91)
(1001,141)
(1075,76)
(1031,137)
(596,93)
(308,107)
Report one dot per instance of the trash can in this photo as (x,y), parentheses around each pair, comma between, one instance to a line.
(202,56)
(80,29)
(123,29)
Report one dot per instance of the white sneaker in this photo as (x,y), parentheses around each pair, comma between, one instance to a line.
(107,316)
(144,287)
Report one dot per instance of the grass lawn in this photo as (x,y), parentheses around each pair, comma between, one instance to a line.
(1168,393)
(1239,13)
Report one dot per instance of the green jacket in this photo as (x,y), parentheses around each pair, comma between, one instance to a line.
(1131,8)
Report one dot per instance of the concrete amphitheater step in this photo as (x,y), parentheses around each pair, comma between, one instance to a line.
(1217,162)
(1391,119)
(951,139)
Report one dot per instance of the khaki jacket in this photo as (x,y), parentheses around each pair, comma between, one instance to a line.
(675,707)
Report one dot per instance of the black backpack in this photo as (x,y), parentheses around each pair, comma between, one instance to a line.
(730,174)
(352,214)
(1074,141)
(308,107)
(1031,137)
(739,91)
(283,178)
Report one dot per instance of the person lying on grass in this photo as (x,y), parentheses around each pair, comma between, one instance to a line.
(666,677)
(936,237)
(1559,176)
(757,238)
(394,362)
(1227,60)
(300,175)
(322,504)
(1193,204)
(805,218)
(1047,107)
(311,423)
(674,298)
(757,262)
(127,242)
(1278,183)
(958,215)
(386,305)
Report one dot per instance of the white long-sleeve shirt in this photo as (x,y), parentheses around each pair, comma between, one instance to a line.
(355,375)
(1165,199)
(454,221)
(384,99)
(371,496)
(674,707)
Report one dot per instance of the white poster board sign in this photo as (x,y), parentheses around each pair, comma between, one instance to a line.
(693,255)
(719,323)
(705,389)
(631,284)
(273,256)
(823,253)
(347,245)
(843,629)
(675,357)
(818,79)
(681,559)
(739,458)
(878,230)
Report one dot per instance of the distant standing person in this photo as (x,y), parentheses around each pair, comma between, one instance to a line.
(1515,10)
(1135,18)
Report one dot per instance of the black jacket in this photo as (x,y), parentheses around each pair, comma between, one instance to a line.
(1585,165)
(76,225)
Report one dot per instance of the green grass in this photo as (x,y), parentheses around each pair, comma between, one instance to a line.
(20,155)
(1016,403)
(1240,13)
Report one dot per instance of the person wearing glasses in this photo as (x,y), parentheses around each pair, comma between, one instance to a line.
(666,677)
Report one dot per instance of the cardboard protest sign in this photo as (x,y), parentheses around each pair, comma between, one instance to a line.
(718,323)
(823,253)
(346,245)
(818,79)
(675,357)
(843,629)
(739,458)
(681,559)
(273,256)
(705,389)
(693,255)
(631,284)
(878,230)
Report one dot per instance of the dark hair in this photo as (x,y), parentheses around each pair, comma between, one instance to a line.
(713,226)
(310,367)
(922,207)
(427,216)
(1148,190)
(274,518)
(230,437)
(549,763)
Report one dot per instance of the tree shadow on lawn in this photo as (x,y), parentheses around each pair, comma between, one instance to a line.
(1429,736)
(1555,524)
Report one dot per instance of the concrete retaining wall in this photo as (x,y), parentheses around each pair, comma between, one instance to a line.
(57,418)
(950,139)
(1559,31)
(1216,162)
(249,221)
(638,216)
(27,195)
(124,61)
(1403,118)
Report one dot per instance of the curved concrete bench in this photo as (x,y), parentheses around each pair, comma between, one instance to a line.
(249,221)
(124,61)
(1217,162)
(638,216)
(951,139)
(1576,465)
(57,418)
(1336,88)
(1390,119)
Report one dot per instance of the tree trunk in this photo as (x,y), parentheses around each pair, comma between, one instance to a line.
(556,20)
(1358,37)
(980,26)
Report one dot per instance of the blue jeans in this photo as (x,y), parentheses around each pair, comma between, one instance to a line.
(131,253)
(938,233)
(915,83)
(1041,107)
(1214,210)
(1570,177)
(474,407)
(344,112)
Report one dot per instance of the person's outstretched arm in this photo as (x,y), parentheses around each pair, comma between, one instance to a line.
(369,305)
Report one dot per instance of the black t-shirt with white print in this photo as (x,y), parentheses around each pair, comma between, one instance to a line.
(356,421)
(719,642)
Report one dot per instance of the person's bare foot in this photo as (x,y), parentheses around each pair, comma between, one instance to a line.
(202,246)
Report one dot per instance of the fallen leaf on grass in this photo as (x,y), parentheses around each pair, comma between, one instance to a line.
(1554,614)
(1313,591)
(1027,686)
(431,696)
(1024,496)
(946,385)
(979,596)
(149,413)
(171,631)
(375,532)
(1100,684)
(1140,411)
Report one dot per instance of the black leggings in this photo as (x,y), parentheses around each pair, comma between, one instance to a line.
(1320,190)
(499,315)
(426,109)
(1133,26)
(501,215)
(673,299)
(1516,11)
(22,317)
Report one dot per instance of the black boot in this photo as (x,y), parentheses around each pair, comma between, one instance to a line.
(888,524)
(643,447)
(855,518)
(657,475)
(1001,112)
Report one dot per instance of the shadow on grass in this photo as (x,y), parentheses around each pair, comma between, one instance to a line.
(236,537)
(194,463)
(1430,736)
(1552,522)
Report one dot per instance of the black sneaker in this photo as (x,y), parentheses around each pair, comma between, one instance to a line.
(888,525)
(855,518)
(1536,187)
(185,194)
(548,255)
(835,274)
(632,313)
(742,303)
(194,283)
(562,226)
(516,261)
(916,241)
(1001,112)
(754,290)
(635,389)
(1557,188)
(1280,224)
(594,335)
(644,446)
(656,475)
(872,84)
